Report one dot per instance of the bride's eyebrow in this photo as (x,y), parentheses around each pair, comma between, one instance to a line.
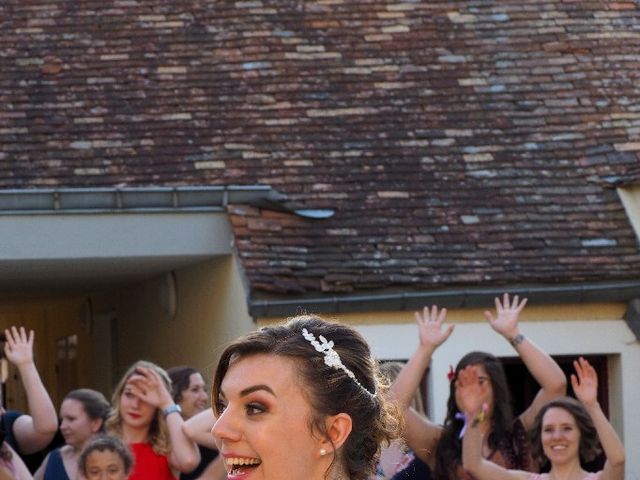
(255,388)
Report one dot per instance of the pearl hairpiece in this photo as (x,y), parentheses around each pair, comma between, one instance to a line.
(331,357)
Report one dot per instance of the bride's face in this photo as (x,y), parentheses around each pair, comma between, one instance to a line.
(263,431)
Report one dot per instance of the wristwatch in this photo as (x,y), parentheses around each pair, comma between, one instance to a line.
(171,408)
(517,340)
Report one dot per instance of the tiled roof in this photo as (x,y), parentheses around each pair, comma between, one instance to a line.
(459,142)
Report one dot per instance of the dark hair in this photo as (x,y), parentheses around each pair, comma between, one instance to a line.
(101,443)
(589,446)
(94,404)
(180,378)
(504,435)
(329,390)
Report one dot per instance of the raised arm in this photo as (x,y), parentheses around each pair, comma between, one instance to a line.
(470,391)
(198,428)
(432,335)
(19,470)
(33,432)
(421,435)
(148,385)
(585,386)
(544,369)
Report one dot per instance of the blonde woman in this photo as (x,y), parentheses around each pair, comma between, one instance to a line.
(146,418)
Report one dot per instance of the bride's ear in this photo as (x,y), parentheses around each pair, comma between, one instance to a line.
(338,428)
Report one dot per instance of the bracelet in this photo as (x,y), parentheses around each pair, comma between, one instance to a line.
(517,340)
(475,421)
(479,418)
(171,409)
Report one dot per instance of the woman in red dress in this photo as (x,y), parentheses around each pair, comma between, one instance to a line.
(146,418)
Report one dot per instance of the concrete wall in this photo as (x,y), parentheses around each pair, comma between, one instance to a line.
(210,311)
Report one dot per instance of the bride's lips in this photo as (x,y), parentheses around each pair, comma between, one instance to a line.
(239,466)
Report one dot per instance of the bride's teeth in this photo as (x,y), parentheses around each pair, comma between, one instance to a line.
(235,461)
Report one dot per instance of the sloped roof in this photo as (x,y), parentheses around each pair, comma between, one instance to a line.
(459,143)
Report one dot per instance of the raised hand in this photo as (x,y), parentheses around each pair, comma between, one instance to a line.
(505,322)
(19,346)
(471,391)
(585,382)
(147,384)
(430,328)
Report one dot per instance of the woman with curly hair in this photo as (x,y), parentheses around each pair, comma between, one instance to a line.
(302,400)
(147,419)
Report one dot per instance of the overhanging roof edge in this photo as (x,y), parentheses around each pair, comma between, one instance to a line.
(620,291)
(131,199)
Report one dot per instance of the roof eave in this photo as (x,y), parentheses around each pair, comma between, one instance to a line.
(618,291)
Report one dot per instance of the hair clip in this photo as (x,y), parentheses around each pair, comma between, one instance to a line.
(451,374)
(331,357)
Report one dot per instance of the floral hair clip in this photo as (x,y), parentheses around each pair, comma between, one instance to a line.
(331,357)
(451,374)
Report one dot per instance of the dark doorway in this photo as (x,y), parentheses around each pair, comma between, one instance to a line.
(524,388)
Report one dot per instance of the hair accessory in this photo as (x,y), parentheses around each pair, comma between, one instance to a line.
(331,357)
(451,374)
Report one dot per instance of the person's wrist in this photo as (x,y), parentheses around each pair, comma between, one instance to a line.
(513,336)
(172,408)
(165,402)
(24,364)
(427,349)
(479,417)
(591,406)
(516,340)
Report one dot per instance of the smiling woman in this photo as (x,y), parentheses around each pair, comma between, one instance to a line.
(301,400)
(82,415)
(190,393)
(564,435)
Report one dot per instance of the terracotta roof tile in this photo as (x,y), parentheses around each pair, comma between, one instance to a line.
(458,142)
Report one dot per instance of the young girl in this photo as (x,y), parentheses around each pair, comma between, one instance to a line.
(105,458)
(82,413)
(565,432)
(146,418)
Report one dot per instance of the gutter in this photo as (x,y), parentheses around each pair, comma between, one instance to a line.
(133,199)
(619,291)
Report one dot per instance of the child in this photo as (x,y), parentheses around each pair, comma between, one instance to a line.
(105,458)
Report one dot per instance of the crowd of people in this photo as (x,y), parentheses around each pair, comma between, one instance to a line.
(306,400)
